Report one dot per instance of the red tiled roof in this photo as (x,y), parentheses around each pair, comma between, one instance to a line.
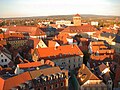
(1,36)
(77,15)
(53,25)
(83,39)
(103,51)
(66,50)
(33,31)
(29,65)
(109,30)
(49,62)
(16,80)
(1,45)
(3,42)
(100,43)
(62,37)
(79,29)
(102,67)
(1,83)
(45,72)
(51,43)
(101,48)
(19,35)
(101,57)
(88,75)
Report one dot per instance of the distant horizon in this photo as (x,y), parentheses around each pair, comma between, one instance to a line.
(58,15)
(31,8)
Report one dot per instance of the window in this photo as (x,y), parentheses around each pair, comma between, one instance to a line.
(45,88)
(62,84)
(5,60)
(56,85)
(38,88)
(78,64)
(110,83)
(69,67)
(74,66)
(51,87)
(63,62)
(1,60)
(5,66)
(69,61)
(1,55)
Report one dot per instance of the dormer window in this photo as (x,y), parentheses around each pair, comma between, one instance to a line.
(5,60)
(83,77)
(56,85)
(1,55)
(44,78)
(62,84)
(1,60)
(51,87)
(60,55)
(45,88)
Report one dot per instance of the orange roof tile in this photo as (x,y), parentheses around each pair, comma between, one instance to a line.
(16,80)
(47,71)
(33,31)
(19,35)
(29,65)
(86,73)
(102,67)
(51,43)
(62,37)
(77,15)
(1,36)
(101,57)
(97,43)
(3,42)
(53,25)
(1,83)
(1,45)
(109,30)
(49,62)
(83,39)
(60,51)
(79,29)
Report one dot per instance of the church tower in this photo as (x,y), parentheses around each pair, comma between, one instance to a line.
(77,20)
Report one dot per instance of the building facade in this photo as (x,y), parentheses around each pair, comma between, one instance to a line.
(67,57)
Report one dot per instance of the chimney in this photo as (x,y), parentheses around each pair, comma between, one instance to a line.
(72,45)
(42,61)
(107,64)
(83,66)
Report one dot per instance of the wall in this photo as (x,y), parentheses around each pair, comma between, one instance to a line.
(3,58)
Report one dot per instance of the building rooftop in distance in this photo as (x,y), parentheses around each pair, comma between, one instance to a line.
(59,52)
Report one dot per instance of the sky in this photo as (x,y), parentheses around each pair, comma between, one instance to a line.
(26,8)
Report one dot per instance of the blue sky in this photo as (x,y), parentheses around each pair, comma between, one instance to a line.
(18,8)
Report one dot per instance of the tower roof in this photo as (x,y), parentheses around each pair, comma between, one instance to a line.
(77,15)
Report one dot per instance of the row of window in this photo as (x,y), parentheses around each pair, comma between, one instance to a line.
(98,88)
(74,66)
(51,87)
(3,60)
